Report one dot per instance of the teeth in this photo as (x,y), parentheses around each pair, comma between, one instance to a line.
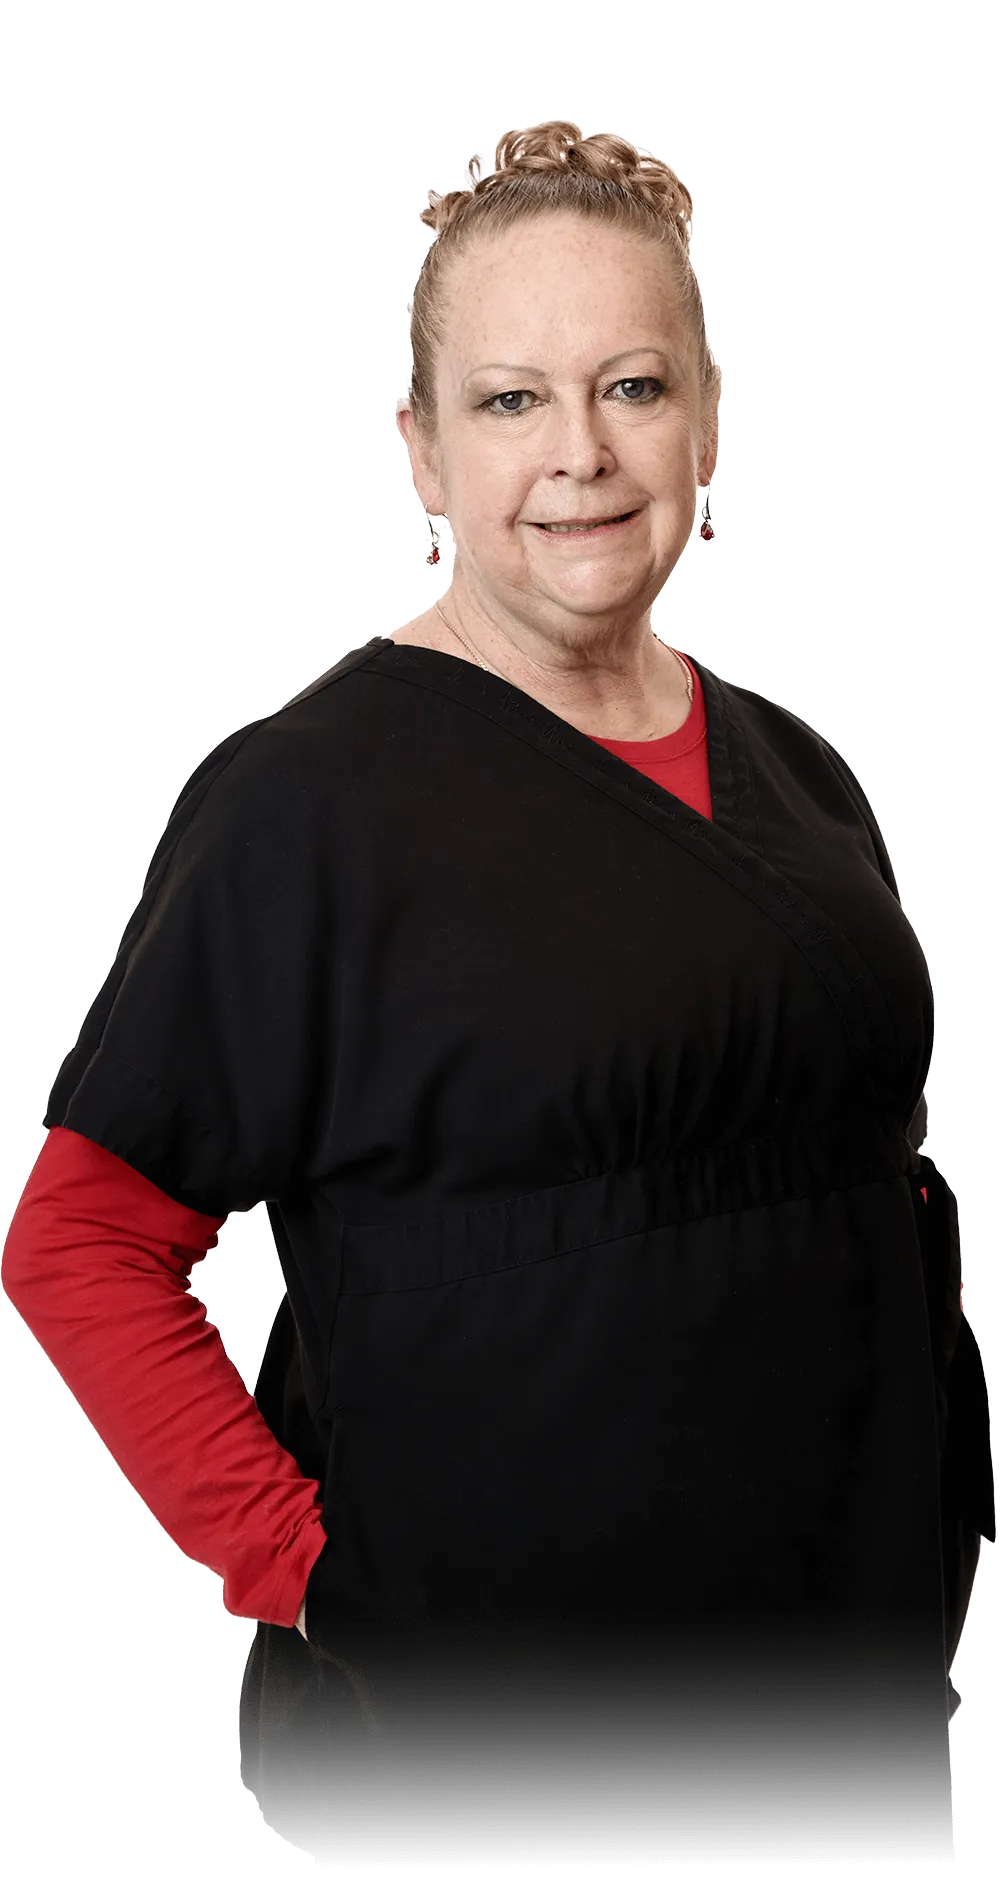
(556,528)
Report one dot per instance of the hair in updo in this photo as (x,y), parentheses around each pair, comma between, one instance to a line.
(547,168)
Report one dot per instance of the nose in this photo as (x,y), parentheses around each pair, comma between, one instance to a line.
(576,443)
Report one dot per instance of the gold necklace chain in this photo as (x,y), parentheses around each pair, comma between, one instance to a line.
(689,681)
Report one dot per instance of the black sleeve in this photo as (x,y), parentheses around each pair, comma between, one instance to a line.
(917,1127)
(916,1131)
(198,1062)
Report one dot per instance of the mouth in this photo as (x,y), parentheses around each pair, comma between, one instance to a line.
(583,530)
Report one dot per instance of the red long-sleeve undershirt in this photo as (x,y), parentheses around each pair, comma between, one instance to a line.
(98,1262)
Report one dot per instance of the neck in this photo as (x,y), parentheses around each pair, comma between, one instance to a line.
(629,686)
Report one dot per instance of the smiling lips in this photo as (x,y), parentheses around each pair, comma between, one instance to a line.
(582,526)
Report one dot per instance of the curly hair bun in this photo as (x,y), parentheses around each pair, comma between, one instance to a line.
(557,146)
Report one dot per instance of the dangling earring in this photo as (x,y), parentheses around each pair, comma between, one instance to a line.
(707,529)
(431,554)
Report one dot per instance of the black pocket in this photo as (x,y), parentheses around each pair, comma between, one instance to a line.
(308,1704)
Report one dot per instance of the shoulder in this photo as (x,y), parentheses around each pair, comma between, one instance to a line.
(268,779)
(783,744)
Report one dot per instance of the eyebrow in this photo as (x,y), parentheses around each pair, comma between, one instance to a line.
(525,368)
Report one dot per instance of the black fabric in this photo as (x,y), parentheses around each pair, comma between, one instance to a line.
(617,1332)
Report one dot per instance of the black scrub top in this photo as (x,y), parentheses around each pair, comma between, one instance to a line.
(619,1334)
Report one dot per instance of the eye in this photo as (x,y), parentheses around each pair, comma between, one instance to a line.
(508,394)
(626,382)
(636,381)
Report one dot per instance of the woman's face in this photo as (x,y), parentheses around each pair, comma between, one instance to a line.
(606,419)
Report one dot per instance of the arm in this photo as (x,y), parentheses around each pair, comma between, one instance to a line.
(97,1262)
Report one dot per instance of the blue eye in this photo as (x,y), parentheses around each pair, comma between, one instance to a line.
(626,382)
(506,398)
(636,381)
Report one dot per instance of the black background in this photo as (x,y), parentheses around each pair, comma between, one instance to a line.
(211,507)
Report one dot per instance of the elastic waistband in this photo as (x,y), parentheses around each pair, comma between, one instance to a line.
(581,1212)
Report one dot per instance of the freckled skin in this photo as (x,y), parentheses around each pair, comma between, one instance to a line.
(569,623)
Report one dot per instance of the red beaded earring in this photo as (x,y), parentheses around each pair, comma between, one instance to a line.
(707,529)
(433,556)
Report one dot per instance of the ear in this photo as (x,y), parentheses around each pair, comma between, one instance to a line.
(709,440)
(424,460)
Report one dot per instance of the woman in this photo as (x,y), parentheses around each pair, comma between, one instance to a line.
(620,1439)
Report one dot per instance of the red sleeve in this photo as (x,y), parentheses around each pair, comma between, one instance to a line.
(97,1262)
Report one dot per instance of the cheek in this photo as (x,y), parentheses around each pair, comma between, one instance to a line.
(495,493)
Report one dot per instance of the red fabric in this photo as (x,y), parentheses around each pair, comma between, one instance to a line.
(97,1261)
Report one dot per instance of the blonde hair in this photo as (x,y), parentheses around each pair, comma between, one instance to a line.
(549,168)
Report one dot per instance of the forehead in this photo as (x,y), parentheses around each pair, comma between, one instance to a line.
(566,288)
